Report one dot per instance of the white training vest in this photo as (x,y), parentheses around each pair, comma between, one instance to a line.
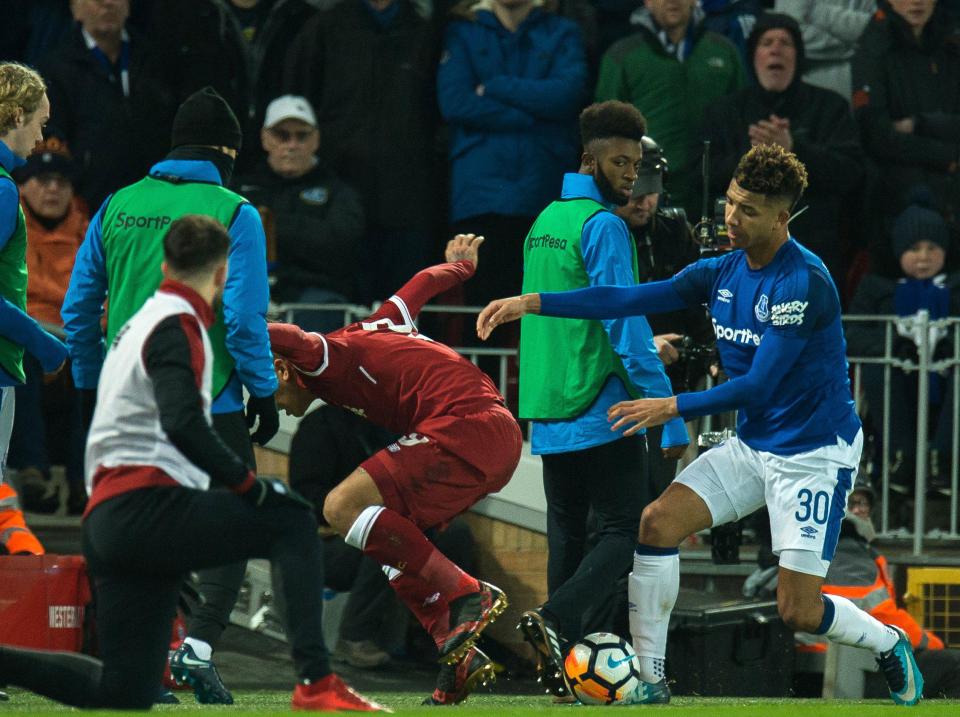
(126,427)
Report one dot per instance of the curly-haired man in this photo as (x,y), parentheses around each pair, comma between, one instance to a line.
(776,315)
(573,372)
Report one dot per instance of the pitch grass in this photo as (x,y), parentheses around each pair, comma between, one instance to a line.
(489,705)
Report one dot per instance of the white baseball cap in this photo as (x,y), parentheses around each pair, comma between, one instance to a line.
(289,107)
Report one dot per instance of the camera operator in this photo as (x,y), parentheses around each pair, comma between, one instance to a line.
(665,245)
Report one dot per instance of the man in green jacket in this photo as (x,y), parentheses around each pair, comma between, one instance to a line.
(672,70)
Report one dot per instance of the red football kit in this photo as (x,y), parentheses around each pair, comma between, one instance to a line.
(459,441)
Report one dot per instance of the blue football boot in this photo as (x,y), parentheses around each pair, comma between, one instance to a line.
(201,675)
(900,669)
(647,693)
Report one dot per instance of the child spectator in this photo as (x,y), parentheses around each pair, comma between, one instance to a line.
(920,243)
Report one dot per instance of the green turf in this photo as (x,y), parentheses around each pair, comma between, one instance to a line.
(486,705)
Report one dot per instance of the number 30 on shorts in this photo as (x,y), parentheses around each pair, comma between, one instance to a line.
(815,505)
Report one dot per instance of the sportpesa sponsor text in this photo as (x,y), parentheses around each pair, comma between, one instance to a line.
(128,221)
(546,242)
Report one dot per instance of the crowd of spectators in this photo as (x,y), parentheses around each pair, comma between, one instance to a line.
(403,120)
(461,115)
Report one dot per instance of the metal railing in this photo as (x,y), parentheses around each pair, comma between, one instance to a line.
(920,326)
(356,312)
(923,328)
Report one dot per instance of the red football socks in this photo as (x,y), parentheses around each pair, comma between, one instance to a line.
(424,601)
(395,541)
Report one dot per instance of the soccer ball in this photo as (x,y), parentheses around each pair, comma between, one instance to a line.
(602,669)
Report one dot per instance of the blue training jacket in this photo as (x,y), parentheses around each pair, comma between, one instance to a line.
(607,258)
(15,325)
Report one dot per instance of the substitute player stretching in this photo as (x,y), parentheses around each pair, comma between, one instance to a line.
(459,444)
(776,315)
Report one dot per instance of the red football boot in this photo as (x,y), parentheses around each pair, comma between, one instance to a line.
(456,682)
(469,616)
(330,694)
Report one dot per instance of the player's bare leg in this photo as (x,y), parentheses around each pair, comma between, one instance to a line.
(804,608)
(655,580)
(452,605)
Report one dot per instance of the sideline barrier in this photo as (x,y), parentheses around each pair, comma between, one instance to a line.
(927,332)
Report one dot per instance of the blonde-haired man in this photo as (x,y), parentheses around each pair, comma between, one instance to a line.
(24,110)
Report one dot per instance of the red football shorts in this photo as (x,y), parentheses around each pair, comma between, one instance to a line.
(449,464)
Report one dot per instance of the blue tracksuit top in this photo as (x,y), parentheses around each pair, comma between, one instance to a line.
(245,299)
(607,258)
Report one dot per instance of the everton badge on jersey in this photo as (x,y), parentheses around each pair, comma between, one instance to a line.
(762,310)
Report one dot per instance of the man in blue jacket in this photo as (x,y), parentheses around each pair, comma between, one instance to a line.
(122,254)
(512,79)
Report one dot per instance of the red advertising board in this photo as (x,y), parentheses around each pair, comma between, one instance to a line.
(43,600)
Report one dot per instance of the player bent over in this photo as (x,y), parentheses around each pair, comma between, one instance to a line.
(151,454)
(459,444)
(776,315)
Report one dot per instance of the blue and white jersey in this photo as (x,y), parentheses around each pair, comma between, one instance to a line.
(793,301)
(779,336)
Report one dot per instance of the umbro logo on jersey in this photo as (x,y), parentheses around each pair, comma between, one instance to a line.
(808,531)
(724,295)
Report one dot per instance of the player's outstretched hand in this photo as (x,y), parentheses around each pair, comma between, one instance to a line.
(500,311)
(464,246)
(643,413)
(272,492)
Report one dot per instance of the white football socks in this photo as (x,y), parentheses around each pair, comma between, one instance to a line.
(852,626)
(201,649)
(651,592)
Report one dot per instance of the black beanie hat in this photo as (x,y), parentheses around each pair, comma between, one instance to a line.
(51,156)
(205,118)
(777,21)
(919,222)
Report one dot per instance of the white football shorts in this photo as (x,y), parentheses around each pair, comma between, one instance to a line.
(805,494)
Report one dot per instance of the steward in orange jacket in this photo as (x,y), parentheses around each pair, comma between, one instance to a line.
(859,572)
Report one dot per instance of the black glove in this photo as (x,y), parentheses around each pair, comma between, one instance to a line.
(265,409)
(274,493)
(88,402)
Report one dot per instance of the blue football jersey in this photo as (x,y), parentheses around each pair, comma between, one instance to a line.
(794,297)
